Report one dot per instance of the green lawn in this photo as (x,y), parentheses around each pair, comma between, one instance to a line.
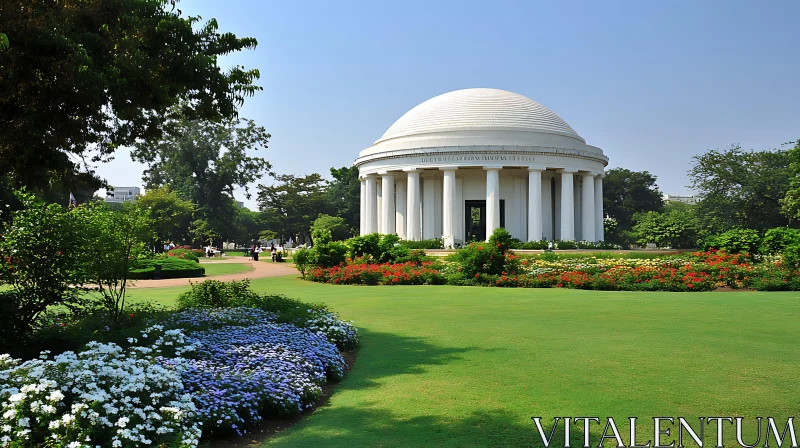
(469,366)
(226,268)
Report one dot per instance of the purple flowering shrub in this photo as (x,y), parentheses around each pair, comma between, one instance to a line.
(248,367)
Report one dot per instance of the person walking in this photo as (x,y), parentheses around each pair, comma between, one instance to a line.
(257,250)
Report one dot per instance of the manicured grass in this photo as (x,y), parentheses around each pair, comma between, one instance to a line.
(469,366)
(226,268)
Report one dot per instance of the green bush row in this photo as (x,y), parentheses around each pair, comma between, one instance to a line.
(170,268)
(782,241)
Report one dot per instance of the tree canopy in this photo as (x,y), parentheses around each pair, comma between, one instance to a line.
(205,161)
(344,196)
(626,193)
(292,205)
(741,188)
(170,215)
(84,77)
(791,202)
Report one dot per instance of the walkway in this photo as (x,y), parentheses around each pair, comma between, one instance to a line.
(261,269)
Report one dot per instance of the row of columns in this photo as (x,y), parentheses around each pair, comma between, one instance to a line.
(408,204)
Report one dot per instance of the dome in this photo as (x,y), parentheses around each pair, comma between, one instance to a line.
(478,110)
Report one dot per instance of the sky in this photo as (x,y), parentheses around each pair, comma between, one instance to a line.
(652,83)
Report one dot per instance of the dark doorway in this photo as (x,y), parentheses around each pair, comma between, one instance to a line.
(475,219)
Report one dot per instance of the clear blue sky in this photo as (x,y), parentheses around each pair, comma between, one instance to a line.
(652,83)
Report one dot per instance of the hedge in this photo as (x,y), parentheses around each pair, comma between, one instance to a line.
(170,268)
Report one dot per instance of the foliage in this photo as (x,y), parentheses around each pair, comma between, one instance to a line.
(490,258)
(303,260)
(85,78)
(42,260)
(741,188)
(204,161)
(114,239)
(790,204)
(432,243)
(102,396)
(777,239)
(336,226)
(735,241)
(377,248)
(170,268)
(344,196)
(170,215)
(183,254)
(217,294)
(676,228)
(293,204)
(626,193)
(247,226)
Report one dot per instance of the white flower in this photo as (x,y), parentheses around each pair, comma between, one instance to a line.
(55,396)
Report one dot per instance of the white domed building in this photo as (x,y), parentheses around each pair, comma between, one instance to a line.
(466,162)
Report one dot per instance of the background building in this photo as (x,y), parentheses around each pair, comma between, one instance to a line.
(122,194)
(683,199)
(466,162)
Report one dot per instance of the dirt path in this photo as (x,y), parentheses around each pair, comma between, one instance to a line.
(261,269)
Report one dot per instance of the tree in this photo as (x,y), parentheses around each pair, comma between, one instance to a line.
(335,226)
(115,239)
(675,228)
(169,215)
(247,226)
(85,77)
(344,196)
(790,205)
(204,161)
(42,263)
(741,188)
(293,204)
(627,192)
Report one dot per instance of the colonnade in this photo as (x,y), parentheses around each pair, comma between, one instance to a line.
(402,211)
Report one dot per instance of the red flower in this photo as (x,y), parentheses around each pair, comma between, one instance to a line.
(131,315)
(477,275)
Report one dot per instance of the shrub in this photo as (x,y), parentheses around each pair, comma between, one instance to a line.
(746,241)
(217,294)
(302,260)
(184,254)
(433,243)
(43,262)
(377,248)
(530,245)
(565,245)
(170,268)
(103,396)
(777,239)
(335,225)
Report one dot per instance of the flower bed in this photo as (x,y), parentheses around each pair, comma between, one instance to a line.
(697,271)
(409,273)
(219,369)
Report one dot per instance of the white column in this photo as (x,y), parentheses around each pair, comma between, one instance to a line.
(413,223)
(598,208)
(492,200)
(363,210)
(587,208)
(534,204)
(400,203)
(371,222)
(387,207)
(567,206)
(428,207)
(449,204)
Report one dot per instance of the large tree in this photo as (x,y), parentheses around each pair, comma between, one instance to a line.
(344,195)
(626,193)
(741,188)
(169,214)
(292,205)
(84,77)
(205,161)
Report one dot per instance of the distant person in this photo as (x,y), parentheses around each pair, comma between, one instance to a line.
(273,251)
(256,252)
(253,252)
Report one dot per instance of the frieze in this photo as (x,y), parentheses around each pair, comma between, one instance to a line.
(476,158)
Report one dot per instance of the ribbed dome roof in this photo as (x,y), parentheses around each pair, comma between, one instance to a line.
(479,109)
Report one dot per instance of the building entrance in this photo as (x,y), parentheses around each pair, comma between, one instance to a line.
(475,219)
